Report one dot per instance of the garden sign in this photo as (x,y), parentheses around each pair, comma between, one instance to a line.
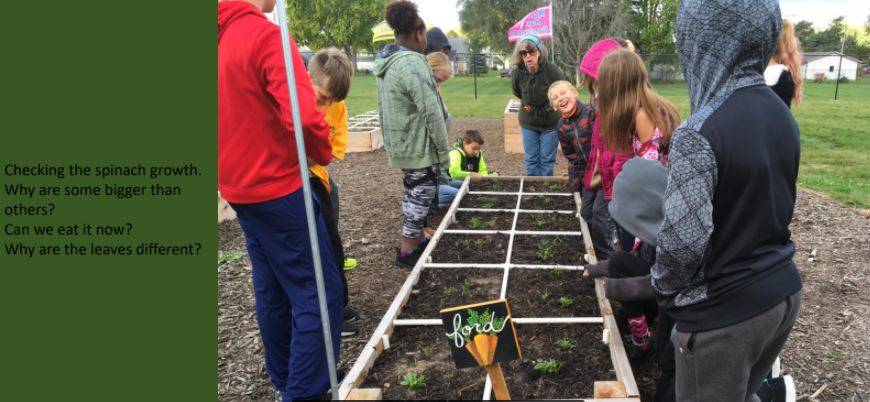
(483,335)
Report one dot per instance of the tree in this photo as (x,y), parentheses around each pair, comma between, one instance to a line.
(652,26)
(804,32)
(345,24)
(485,22)
(580,23)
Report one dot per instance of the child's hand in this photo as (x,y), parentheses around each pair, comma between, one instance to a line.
(565,174)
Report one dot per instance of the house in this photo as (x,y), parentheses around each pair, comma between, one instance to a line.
(816,64)
(459,54)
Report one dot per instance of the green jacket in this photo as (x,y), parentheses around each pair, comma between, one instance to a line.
(457,169)
(412,119)
(532,88)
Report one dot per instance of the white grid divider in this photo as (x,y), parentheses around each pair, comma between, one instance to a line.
(514,193)
(519,232)
(408,322)
(525,211)
(442,265)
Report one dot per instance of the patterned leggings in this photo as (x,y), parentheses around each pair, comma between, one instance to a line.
(419,199)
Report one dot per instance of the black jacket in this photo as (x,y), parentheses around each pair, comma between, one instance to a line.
(535,111)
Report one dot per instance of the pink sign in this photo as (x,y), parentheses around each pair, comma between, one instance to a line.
(536,22)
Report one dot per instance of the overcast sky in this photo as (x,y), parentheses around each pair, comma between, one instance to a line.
(443,13)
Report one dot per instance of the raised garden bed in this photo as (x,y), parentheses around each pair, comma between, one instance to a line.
(575,349)
(478,255)
(545,187)
(511,186)
(441,288)
(489,201)
(551,222)
(548,250)
(484,221)
(551,293)
(548,203)
(471,248)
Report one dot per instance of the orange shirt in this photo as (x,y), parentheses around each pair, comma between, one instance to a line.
(336,118)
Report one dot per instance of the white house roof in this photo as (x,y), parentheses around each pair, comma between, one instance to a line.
(809,57)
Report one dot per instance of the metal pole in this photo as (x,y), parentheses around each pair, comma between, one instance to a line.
(474,69)
(552,31)
(281,10)
(837,87)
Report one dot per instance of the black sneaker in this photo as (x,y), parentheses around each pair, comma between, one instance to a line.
(348,329)
(350,314)
(410,260)
(779,389)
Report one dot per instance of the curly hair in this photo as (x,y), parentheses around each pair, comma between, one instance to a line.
(403,18)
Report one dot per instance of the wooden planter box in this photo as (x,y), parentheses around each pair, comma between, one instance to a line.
(225,211)
(364,133)
(513,138)
(620,384)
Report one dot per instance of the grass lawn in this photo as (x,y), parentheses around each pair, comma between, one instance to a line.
(835,135)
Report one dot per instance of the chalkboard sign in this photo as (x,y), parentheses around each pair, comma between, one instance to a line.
(481,334)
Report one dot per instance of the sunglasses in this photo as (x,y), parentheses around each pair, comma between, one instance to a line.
(530,52)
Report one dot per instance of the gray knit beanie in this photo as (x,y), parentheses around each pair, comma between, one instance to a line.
(638,197)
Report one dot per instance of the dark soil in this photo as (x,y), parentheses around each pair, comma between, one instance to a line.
(548,250)
(827,348)
(489,201)
(483,220)
(461,248)
(512,186)
(424,350)
(537,293)
(550,222)
(441,288)
(548,202)
(544,187)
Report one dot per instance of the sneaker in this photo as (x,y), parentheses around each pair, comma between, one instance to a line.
(350,263)
(350,314)
(779,389)
(410,260)
(348,329)
(640,349)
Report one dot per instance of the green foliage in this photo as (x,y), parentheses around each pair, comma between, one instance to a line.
(484,202)
(834,355)
(476,223)
(414,381)
(345,24)
(548,366)
(540,222)
(448,291)
(544,296)
(231,256)
(466,242)
(465,290)
(480,242)
(652,26)
(565,301)
(564,344)
(546,248)
(854,41)
(485,22)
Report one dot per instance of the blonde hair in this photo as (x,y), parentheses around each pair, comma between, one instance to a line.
(331,70)
(439,62)
(788,53)
(624,88)
(528,45)
(558,84)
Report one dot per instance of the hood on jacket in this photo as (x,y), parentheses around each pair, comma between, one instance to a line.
(724,46)
(388,56)
(232,11)
(638,198)
(436,40)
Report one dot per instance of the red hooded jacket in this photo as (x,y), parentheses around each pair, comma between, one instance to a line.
(257,159)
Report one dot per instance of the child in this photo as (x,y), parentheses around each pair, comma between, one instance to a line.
(331,73)
(634,118)
(637,205)
(597,179)
(258,174)
(466,158)
(574,130)
(412,122)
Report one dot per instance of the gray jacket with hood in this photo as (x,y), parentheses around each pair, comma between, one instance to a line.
(724,252)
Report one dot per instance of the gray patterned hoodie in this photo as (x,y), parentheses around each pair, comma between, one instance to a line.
(724,250)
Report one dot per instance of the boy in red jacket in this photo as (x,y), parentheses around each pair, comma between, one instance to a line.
(258,173)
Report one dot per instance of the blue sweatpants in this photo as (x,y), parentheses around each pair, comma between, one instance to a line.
(285,292)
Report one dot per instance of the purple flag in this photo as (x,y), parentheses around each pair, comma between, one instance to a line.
(536,22)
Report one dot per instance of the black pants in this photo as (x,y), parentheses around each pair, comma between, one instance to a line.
(323,197)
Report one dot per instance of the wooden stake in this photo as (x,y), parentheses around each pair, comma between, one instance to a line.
(499,387)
